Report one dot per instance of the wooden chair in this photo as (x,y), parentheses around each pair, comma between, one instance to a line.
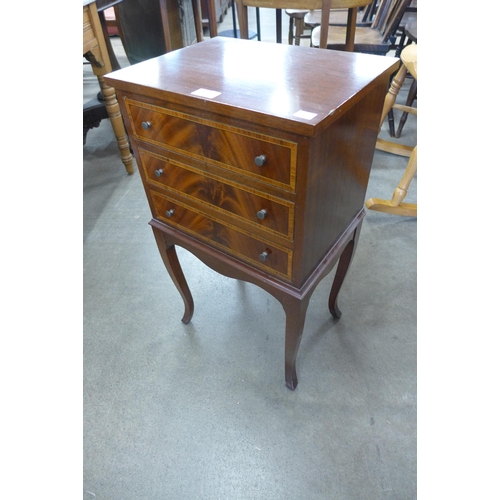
(396,205)
(296,21)
(324,5)
(338,17)
(242,9)
(376,39)
(95,110)
(147,28)
(300,20)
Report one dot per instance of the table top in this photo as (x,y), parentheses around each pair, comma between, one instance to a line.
(303,86)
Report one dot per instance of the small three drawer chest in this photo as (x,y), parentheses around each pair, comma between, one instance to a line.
(255,157)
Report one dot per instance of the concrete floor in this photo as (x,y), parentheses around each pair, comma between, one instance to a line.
(201,411)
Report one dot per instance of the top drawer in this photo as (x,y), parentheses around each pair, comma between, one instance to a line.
(265,158)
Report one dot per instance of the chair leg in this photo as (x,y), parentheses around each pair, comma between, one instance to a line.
(299,29)
(402,189)
(401,45)
(393,92)
(197,18)
(390,121)
(396,205)
(412,94)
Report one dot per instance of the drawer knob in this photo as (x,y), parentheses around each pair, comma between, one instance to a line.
(261,214)
(146,125)
(159,172)
(263,256)
(169,213)
(260,160)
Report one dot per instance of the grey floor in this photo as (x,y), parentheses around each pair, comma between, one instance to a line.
(201,411)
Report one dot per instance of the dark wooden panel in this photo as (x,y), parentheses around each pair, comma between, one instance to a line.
(337,177)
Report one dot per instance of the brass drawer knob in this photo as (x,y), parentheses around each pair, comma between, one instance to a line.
(260,160)
(169,213)
(263,256)
(146,125)
(261,214)
(159,172)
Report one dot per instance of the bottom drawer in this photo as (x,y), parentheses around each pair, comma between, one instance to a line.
(229,239)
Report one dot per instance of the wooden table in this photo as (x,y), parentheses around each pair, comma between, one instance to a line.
(94,50)
(258,169)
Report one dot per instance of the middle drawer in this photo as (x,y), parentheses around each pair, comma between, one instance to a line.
(260,209)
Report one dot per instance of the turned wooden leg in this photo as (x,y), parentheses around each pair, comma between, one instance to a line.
(393,92)
(295,310)
(390,121)
(171,261)
(412,94)
(101,65)
(212,19)
(242,11)
(116,120)
(299,29)
(342,268)
(400,192)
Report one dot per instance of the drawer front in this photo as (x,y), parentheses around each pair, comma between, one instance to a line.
(218,234)
(263,211)
(205,140)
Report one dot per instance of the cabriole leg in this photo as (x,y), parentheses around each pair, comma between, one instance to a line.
(171,261)
(295,310)
(342,268)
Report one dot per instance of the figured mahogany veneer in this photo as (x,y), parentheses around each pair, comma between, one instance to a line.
(207,140)
(225,195)
(254,167)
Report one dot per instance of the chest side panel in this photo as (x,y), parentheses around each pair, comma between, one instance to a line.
(338,172)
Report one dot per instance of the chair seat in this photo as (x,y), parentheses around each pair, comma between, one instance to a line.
(409,58)
(338,17)
(366,40)
(297,13)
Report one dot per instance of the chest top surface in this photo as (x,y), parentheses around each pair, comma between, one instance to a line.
(269,83)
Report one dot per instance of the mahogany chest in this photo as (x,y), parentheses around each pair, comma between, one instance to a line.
(255,157)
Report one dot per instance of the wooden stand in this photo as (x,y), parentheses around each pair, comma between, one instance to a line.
(294,301)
